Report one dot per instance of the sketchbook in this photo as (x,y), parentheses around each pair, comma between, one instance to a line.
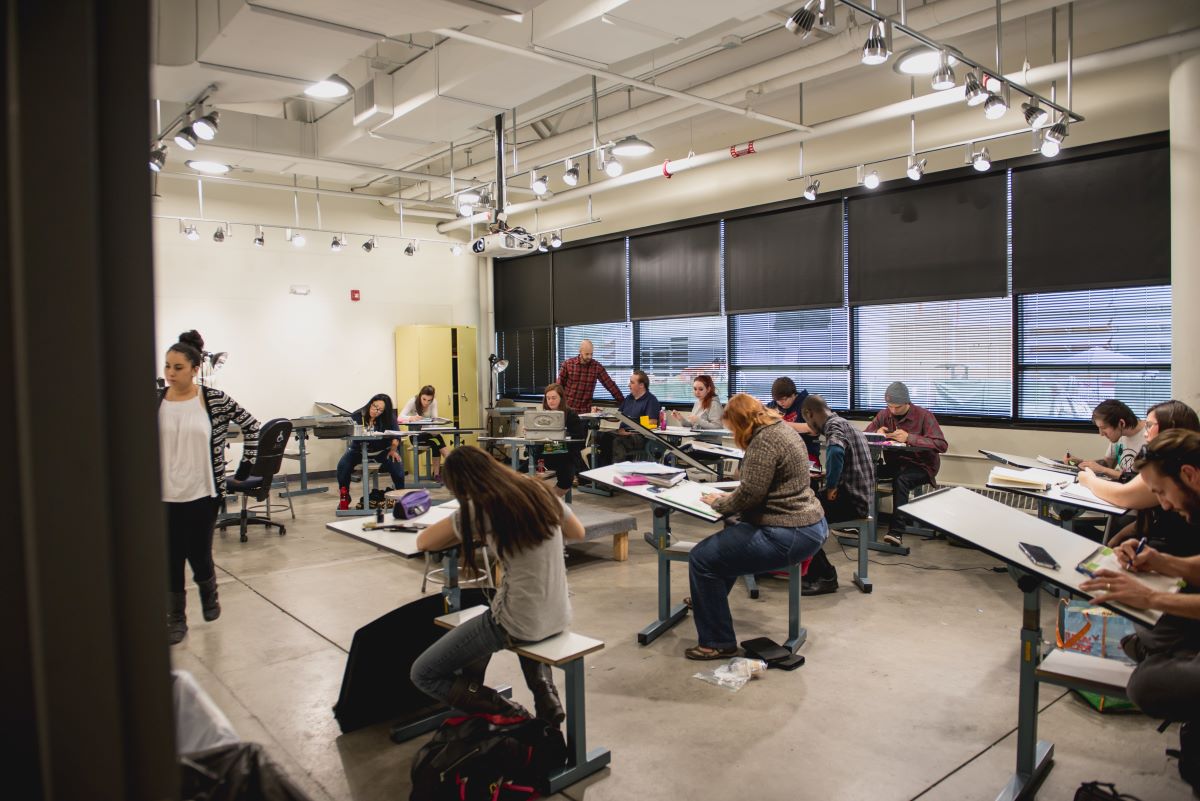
(1032,478)
(1105,558)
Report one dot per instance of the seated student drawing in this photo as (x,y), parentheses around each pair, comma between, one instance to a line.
(706,411)
(849,482)
(518,517)
(377,415)
(781,522)
(620,445)
(423,406)
(909,468)
(563,463)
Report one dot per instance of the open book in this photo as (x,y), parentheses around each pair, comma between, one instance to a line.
(1082,493)
(1104,558)
(1032,478)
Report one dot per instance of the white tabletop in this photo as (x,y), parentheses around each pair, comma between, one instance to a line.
(1022,461)
(1055,495)
(998,529)
(661,495)
(403,543)
(718,450)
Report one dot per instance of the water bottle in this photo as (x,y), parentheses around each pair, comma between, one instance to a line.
(662,419)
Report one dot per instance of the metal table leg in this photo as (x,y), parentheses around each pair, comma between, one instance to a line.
(366,487)
(580,762)
(592,487)
(668,616)
(1034,757)
(302,440)
(797,634)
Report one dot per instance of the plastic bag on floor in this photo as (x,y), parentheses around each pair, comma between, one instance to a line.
(238,772)
(733,674)
(199,723)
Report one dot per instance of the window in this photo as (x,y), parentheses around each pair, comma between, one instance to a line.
(954,355)
(1076,349)
(612,346)
(673,352)
(811,347)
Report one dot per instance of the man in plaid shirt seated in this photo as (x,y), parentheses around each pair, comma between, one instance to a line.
(578,376)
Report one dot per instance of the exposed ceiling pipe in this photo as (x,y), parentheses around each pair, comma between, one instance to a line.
(942,20)
(582,69)
(1109,59)
(412,206)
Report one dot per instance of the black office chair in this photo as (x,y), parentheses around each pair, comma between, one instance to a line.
(272,440)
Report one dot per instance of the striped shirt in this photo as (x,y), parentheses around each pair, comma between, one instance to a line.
(223,410)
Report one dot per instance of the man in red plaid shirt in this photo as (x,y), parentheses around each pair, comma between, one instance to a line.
(578,376)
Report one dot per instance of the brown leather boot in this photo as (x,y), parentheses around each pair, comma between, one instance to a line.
(540,680)
(473,697)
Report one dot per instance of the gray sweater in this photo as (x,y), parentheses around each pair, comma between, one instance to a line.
(774,490)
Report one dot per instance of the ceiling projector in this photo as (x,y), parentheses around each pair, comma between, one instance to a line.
(513,242)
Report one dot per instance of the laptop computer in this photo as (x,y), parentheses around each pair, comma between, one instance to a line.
(542,425)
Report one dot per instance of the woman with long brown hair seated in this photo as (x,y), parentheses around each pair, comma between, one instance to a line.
(563,463)
(781,525)
(520,519)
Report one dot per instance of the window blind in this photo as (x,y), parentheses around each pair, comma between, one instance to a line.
(590,283)
(522,293)
(675,273)
(612,346)
(674,352)
(785,260)
(812,347)
(1076,349)
(530,356)
(955,355)
(941,241)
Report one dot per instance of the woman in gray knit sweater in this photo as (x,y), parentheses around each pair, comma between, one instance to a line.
(781,524)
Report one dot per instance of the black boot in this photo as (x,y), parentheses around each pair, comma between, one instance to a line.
(821,578)
(209,603)
(540,681)
(176,617)
(473,697)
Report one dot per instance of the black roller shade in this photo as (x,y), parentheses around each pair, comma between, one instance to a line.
(1093,223)
(589,284)
(530,355)
(523,297)
(675,273)
(940,241)
(786,260)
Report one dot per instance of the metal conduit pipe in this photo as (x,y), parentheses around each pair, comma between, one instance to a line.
(942,20)
(308,190)
(1181,42)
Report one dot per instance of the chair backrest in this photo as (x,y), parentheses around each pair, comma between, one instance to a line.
(273,438)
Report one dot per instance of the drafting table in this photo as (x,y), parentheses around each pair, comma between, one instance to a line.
(662,505)
(997,529)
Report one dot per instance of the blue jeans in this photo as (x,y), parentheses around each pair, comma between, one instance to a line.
(353,455)
(740,550)
(434,671)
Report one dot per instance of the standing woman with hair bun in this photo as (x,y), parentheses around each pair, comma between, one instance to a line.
(192,422)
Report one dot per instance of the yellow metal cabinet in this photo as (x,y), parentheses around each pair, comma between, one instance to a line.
(445,357)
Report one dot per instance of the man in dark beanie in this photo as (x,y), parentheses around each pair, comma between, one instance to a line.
(913,466)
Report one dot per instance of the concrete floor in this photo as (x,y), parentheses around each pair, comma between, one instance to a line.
(909,692)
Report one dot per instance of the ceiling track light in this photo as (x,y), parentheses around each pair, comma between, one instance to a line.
(810,191)
(916,167)
(944,77)
(410,249)
(186,138)
(878,46)
(555,240)
(456,249)
(206,127)
(609,163)
(296,238)
(337,243)
(543,245)
(980,159)
(158,157)
(538,183)
(868,179)
(801,22)
(220,235)
(369,245)
(189,231)
(259,239)
(974,90)
(995,105)
(570,173)
(1035,115)
(1052,139)
(465,209)
(633,146)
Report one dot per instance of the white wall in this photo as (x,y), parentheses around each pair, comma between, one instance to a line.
(287,351)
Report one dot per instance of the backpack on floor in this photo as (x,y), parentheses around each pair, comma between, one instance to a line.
(1092,630)
(1188,755)
(489,758)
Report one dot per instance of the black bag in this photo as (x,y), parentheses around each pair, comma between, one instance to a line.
(1101,791)
(488,757)
(1188,754)
(375,686)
